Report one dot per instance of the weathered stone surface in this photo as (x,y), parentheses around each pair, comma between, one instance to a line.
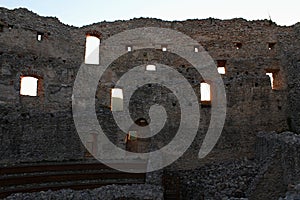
(223,180)
(293,194)
(280,156)
(35,129)
(252,104)
(132,192)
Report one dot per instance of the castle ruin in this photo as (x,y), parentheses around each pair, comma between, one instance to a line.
(257,155)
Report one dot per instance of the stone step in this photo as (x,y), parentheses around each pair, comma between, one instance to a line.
(38,178)
(7,176)
(75,185)
(62,167)
(55,176)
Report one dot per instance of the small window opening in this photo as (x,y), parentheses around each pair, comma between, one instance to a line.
(29,86)
(205,92)
(92,50)
(129,48)
(221,64)
(196,49)
(271,76)
(274,76)
(164,48)
(271,45)
(221,70)
(116,99)
(39,36)
(151,68)
(131,136)
(238,45)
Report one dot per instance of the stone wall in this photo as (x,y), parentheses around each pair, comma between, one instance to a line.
(42,128)
(291,53)
(273,172)
(280,156)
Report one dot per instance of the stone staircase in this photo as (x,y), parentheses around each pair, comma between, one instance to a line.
(56,176)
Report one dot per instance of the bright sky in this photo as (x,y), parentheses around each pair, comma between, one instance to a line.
(82,12)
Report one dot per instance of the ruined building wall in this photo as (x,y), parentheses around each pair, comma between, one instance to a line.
(280,155)
(42,128)
(291,54)
(37,128)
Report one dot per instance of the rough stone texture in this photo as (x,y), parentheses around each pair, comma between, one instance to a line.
(291,52)
(280,155)
(42,129)
(252,104)
(293,194)
(222,180)
(268,176)
(111,192)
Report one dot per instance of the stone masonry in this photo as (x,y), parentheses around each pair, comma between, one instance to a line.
(41,128)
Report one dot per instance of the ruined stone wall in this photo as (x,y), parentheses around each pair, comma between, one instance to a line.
(291,54)
(37,128)
(42,128)
(280,156)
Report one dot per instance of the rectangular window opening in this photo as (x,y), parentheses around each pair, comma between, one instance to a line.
(271,45)
(221,64)
(196,49)
(164,48)
(273,74)
(221,70)
(151,68)
(238,45)
(128,48)
(39,36)
(271,79)
(116,99)
(29,86)
(205,93)
(92,50)
(131,136)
